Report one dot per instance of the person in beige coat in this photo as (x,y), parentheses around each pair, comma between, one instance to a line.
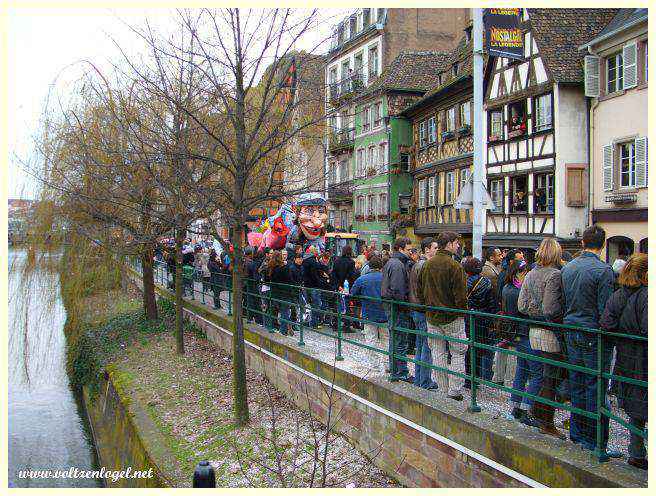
(541,299)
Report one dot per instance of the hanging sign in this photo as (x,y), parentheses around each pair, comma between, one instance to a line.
(503,36)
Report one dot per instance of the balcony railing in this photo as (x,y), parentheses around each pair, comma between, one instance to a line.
(347,87)
(340,191)
(341,139)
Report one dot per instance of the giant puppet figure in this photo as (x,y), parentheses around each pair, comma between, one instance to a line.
(309,227)
(303,223)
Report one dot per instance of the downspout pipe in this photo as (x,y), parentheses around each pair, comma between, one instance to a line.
(591,144)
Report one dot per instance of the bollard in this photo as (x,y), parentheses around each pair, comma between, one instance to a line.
(204,475)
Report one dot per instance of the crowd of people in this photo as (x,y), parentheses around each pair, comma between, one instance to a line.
(434,288)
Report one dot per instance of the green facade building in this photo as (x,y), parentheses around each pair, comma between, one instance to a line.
(382,185)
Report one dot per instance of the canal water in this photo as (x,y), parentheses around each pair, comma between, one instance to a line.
(48,427)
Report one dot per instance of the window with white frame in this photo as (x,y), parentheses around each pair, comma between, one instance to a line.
(496,194)
(422,134)
(371,160)
(382,157)
(543,114)
(371,210)
(432,130)
(343,170)
(373,62)
(450,187)
(543,197)
(359,208)
(365,119)
(465,114)
(366,18)
(615,73)
(379,113)
(450,119)
(375,118)
(431,191)
(464,176)
(359,162)
(495,131)
(382,204)
(331,217)
(627,165)
(422,193)
(332,173)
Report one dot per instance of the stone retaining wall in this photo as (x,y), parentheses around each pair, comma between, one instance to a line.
(421,440)
(125,436)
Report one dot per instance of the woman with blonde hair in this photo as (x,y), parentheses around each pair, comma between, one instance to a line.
(541,299)
(626,313)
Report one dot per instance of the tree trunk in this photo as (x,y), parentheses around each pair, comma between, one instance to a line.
(179,337)
(240,391)
(148,279)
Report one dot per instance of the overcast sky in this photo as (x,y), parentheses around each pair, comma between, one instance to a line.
(42,45)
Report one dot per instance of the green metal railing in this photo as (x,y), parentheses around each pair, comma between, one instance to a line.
(265,305)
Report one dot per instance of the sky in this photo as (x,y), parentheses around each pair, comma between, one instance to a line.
(46,46)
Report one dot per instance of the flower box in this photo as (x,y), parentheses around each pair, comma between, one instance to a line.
(464,130)
(447,135)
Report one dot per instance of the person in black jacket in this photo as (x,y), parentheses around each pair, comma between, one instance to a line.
(278,276)
(296,273)
(315,279)
(626,313)
(214,266)
(395,286)
(343,270)
(528,374)
(481,298)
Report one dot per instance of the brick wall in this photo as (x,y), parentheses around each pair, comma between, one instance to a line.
(423,29)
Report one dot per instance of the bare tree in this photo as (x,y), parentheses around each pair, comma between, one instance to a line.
(240,116)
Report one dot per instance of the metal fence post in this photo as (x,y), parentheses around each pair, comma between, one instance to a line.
(299,316)
(390,344)
(339,333)
(268,320)
(599,452)
(473,407)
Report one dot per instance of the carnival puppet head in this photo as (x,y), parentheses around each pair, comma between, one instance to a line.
(311,215)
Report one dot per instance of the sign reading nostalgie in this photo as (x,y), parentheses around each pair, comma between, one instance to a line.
(503,36)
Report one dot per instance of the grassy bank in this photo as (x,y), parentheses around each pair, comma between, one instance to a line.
(189,398)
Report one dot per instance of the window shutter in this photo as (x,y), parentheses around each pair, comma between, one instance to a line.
(641,162)
(608,167)
(630,57)
(591,68)
(576,194)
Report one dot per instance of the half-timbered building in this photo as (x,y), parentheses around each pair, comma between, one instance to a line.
(536,125)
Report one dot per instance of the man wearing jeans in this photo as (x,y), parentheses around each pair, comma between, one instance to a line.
(422,350)
(442,283)
(587,285)
(394,286)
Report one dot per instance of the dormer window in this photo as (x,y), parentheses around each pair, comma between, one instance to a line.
(468,33)
(455,69)
(439,78)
